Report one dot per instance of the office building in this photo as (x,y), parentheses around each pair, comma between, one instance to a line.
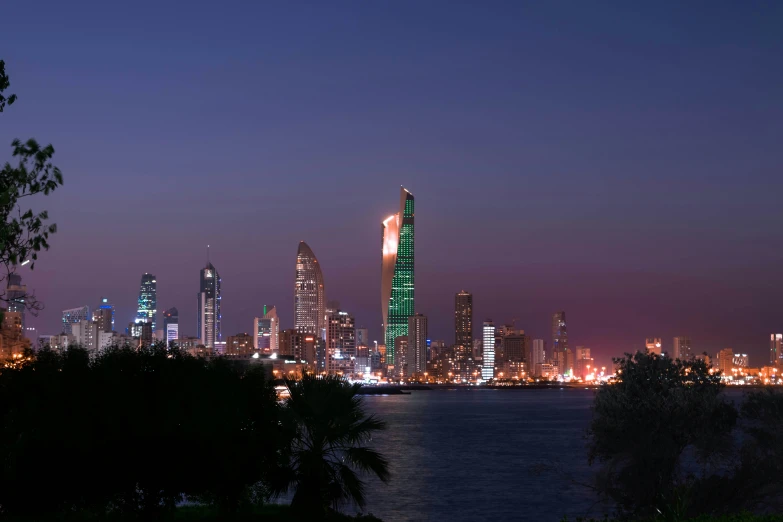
(463,333)
(725,361)
(16,296)
(340,342)
(401,352)
(209,320)
(240,345)
(653,345)
(397,273)
(512,346)
(537,356)
(681,348)
(170,325)
(740,361)
(775,348)
(148,300)
(73,316)
(309,293)
(363,336)
(488,357)
(85,334)
(266,331)
(559,332)
(417,344)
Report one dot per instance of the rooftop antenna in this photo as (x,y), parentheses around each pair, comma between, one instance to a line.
(207,254)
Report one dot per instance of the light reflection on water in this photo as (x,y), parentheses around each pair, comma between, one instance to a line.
(467,455)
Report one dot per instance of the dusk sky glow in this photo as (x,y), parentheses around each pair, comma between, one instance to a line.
(618,161)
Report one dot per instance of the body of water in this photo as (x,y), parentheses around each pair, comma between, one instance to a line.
(471,455)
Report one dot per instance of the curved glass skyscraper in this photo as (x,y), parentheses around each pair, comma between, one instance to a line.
(397,301)
(309,293)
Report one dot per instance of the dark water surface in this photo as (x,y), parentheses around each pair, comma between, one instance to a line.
(468,455)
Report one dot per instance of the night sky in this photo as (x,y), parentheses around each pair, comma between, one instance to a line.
(622,162)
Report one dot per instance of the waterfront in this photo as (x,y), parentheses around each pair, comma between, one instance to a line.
(471,454)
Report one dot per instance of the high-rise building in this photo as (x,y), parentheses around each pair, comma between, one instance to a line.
(362,336)
(397,273)
(463,334)
(309,293)
(102,318)
(15,296)
(171,325)
(209,318)
(681,348)
(401,351)
(488,358)
(740,360)
(106,305)
(537,357)
(775,348)
(85,334)
(266,331)
(653,345)
(559,332)
(725,361)
(74,315)
(417,344)
(148,300)
(340,342)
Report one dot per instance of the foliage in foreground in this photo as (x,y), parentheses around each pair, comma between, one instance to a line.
(330,445)
(24,233)
(132,432)
(671,446)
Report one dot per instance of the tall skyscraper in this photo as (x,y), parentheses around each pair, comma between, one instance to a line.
(266,331)
(725,361)
(15,295)
(209,318)
(417,343)
(171,325)
(775,348)
(397,273)
(681,348)
(148,300)
(559,332)
(463,333)
(362,336)
(73,316)
(309,293)
(340,341)
(653,345)
(488,358)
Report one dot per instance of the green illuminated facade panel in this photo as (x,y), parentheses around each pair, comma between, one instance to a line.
(401,300)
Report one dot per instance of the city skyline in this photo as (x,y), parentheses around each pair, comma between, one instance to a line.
(554,170)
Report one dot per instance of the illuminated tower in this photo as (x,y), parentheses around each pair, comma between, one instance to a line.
(309,293)
(266,331)
(397,302)
(148,300)
(488,360)
(209,318)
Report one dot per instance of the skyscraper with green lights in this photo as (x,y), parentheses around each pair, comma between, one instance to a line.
(397,274)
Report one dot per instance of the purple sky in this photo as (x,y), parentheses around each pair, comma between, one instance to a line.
(622,162)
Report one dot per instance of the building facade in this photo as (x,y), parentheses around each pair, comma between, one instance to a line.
(653,345)
(266,331)
(681,348)
(488,357)
(209,319)
(397,273)
(240,345)
(417,344)
(147,310)
(16,296)
(537,356)
(775,348)
(340,342)
(309,293)
(171,325)
(559,332)
(73,316)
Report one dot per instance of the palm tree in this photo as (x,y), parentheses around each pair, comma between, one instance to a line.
(329,447)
